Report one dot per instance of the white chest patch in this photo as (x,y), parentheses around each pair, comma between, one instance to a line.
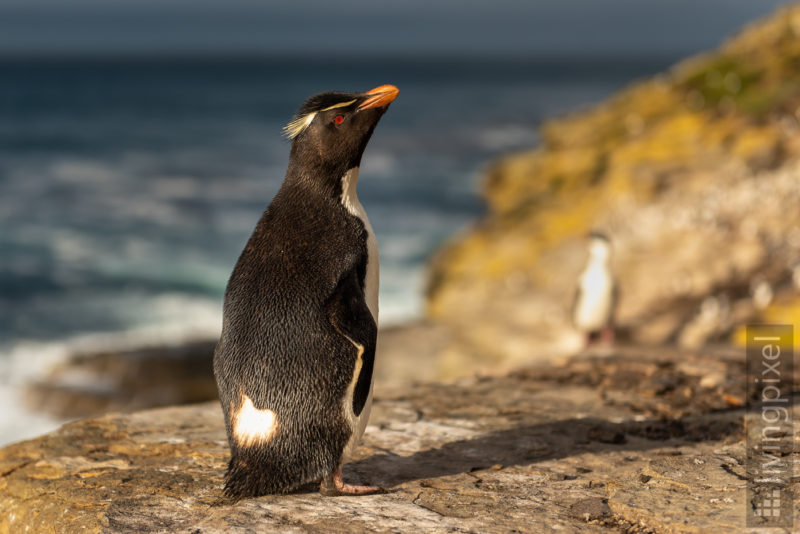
(594,306)
(371,285)
(353,205)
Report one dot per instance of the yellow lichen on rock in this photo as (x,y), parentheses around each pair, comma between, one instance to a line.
(786,311)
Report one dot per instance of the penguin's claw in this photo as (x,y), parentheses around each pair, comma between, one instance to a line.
(334,486)
(350,489)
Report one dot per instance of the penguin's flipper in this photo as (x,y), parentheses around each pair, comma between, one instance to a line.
(577,295)
(612,316)
(348,313)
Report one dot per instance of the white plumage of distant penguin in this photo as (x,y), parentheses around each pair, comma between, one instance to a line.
(596,295)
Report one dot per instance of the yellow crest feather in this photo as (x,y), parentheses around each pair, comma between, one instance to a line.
(339,105)
(296,126)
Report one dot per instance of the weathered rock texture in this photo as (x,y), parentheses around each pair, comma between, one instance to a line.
(95,382)
(695,176)
(636,442)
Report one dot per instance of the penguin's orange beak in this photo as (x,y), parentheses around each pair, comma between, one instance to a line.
(379,97)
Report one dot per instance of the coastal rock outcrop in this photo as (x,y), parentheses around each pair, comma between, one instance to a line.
(639,441)
(695,176)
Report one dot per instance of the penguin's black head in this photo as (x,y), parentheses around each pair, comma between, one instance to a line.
(595,235)
(330,130)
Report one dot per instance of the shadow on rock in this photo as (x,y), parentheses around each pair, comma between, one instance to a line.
(530,444)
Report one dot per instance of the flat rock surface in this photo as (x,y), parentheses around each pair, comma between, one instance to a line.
(635,441)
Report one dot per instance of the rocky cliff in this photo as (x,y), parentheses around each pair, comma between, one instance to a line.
(639,441)
(695,176)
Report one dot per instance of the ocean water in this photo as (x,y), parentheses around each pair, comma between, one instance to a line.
(129,187)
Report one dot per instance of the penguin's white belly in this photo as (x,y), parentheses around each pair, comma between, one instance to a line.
(593,308)
(371,287)
(372,280)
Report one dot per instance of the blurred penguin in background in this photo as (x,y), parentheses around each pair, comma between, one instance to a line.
(596,295)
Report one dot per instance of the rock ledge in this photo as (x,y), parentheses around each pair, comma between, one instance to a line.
(634,442)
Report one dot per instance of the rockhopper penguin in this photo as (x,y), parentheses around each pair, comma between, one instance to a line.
(295,358)
(596,296)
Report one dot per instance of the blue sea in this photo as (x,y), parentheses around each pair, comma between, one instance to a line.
(129,186)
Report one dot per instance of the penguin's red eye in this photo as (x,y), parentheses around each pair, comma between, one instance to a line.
(339,119)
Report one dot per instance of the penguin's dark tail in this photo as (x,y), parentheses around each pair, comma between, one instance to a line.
(252,473)
(246,478)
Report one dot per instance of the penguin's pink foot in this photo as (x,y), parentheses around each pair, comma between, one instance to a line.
(607,335)
(333,485)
